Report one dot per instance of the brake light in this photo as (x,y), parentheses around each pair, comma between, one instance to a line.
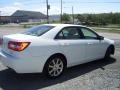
(18,46)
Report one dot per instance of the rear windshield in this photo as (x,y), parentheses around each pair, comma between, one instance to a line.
(38,30)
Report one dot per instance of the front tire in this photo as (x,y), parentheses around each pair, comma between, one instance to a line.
(54,67)
(108,53)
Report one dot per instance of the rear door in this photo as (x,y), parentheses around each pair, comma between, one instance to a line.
(72,45)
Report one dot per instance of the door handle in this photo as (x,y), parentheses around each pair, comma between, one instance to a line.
(90,43)
(64,44)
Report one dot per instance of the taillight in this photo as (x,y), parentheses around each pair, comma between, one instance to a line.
(18,46)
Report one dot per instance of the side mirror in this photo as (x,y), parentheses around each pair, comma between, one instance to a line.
(100,37)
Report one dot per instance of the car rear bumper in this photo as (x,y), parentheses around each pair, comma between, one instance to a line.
(20,65)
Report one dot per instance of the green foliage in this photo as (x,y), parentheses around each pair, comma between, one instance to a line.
(80,18)
(65,18)
(99,19)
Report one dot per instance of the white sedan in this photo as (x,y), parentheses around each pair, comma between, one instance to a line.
(51,48)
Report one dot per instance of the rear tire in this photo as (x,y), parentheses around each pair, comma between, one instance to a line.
(54,67)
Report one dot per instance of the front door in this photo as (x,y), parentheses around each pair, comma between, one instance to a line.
(94,46)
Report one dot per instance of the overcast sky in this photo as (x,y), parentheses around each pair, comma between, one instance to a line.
(7,7)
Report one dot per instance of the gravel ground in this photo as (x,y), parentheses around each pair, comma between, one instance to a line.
(102,80)
(96,75)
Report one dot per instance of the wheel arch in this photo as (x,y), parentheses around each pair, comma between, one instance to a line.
(112,48)
(55,55)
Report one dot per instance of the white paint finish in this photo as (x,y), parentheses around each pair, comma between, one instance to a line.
(95,49)
(34,57)
(74,50)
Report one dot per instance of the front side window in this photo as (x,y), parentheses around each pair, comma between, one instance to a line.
(69,33)
(88,34)
(38,30)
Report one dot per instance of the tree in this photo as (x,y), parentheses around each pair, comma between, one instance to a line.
(65,18)
(80,18)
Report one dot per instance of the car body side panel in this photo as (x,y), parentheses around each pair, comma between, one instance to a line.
(34,57)
(74,50)
(95,49)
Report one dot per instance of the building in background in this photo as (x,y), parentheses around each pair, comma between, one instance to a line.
(5,19)
(21,16)
(28,16)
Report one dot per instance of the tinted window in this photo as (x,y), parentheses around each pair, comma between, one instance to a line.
(38,30)
(69,33)
(88,34)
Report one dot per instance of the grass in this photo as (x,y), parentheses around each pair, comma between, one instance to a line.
(28,25)
(113,26)
(107,30)
(109,26)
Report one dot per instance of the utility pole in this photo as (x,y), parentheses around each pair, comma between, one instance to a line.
(61,11)
(0,16)
(73,14)
(47,11)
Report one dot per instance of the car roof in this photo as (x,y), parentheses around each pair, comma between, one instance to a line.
(63,25)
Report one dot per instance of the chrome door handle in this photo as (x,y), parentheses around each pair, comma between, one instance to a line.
(64,44)
(90,43)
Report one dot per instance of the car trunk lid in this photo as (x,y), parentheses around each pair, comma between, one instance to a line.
(15,38)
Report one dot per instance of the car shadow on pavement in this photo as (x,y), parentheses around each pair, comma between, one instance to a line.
(9,80)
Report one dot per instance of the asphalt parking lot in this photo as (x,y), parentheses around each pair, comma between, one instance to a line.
(96,75)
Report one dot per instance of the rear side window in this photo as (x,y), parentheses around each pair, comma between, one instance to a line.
(38,30)
(69,33)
